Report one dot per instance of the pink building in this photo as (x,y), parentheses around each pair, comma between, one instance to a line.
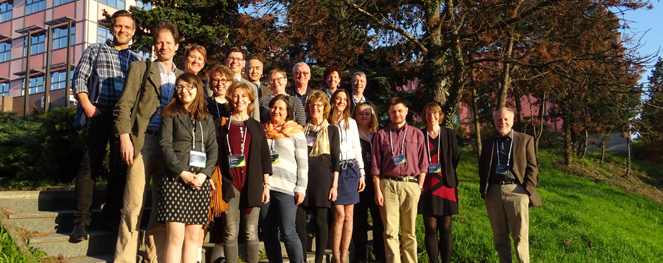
(39,16)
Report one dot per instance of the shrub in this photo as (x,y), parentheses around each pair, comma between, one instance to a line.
(43,148)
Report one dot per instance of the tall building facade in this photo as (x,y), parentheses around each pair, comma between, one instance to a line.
(38,17)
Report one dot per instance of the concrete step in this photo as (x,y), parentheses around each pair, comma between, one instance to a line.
(49,200)
(98,243)
(60,221)
(92,259)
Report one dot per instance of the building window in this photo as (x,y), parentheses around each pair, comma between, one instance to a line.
(144,6)
(59,79)
(6,12)
(34,6)
(119,4)
(62,2)
(5,51)
(60,37)
(103,34)
(37,44)
(4,88)
(36,84)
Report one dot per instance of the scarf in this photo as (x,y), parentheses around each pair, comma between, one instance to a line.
(276,132)
(321,145)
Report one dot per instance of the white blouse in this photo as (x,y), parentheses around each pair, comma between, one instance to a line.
(350,146)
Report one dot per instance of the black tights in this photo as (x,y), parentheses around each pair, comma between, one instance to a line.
(321,234)
(433,224)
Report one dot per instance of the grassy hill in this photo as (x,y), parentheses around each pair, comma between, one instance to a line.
(582,219)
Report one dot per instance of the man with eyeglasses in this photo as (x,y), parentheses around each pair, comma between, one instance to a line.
(301,73)
(139,143)
(235,60)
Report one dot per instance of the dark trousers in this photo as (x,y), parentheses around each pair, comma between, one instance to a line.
(279,215)
(321,229)
(359,235)
(97,134)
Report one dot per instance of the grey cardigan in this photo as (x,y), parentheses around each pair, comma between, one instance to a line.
(176,143)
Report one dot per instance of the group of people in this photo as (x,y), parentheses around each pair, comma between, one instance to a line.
(246,156)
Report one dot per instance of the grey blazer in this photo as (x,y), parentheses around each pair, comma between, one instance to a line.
(176,142)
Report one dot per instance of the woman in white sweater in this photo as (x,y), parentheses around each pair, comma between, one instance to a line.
(288,182)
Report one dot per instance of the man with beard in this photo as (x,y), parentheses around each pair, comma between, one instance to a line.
(509,175)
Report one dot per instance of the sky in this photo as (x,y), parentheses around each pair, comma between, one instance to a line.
(642,20)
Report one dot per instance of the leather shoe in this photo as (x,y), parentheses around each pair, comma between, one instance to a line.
(79,233)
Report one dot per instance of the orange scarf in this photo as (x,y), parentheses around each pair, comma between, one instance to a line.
(276,132)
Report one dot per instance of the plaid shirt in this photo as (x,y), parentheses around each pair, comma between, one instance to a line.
(100,67)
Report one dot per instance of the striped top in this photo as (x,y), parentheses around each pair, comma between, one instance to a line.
(290,174)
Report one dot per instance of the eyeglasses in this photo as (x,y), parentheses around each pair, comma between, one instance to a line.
(316,105)
(182,87)
(217,81)
(235,59)
(276,79)
(302,73)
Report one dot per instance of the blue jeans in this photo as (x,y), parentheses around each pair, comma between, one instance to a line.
(280,213)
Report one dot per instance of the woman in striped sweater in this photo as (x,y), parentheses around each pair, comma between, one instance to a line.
(288,182)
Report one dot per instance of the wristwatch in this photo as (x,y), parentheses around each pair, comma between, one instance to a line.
(267,186)
(421,187)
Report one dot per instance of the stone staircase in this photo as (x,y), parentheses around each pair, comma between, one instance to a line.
(44,220)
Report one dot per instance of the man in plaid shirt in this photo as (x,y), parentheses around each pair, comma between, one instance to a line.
(98,83)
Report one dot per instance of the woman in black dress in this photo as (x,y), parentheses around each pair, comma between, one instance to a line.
(188,142)
(439,198)
(367,124)
(323,162)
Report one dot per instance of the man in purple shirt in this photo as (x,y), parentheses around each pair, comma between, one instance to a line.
(399,167)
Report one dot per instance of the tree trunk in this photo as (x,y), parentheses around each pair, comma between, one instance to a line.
(582,148)
(628,154)
(475,111)
(538,126)
(506,75)
(520,117)
(435,74)
(602,152)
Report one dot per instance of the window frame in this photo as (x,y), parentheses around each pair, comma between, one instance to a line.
(31,4)
(62,83)
(6,54)
(60,38)
(6,14)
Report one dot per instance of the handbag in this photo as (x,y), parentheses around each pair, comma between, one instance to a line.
(217,204)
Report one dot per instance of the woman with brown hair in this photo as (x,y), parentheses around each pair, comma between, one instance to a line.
(221,78)
(439,197)
(188,142)
(351,179)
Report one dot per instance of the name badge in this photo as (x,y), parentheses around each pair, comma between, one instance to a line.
(197,159)
(398,159)
(434,168)
(275,158)
(502,169)
(310,140)
(118,84)
(237,161)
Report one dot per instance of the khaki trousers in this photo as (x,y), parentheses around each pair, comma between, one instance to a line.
(147,165)
(401,201)
(508,210)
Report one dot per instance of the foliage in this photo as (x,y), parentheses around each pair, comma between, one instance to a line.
(10,253)
(45,149)
(650,142)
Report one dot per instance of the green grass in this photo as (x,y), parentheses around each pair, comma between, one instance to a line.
(581,220)
(10,253)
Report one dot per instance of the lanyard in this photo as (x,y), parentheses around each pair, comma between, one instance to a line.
(241,132)
(438,145)
(218,112)
(392,144)
(341,127)
(508,157)
(202,137)
(370,141)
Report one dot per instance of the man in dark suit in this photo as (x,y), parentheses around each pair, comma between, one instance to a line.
(509,176)
(139,143)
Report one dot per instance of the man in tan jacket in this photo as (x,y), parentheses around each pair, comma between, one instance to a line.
(139,143)
(509,175)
